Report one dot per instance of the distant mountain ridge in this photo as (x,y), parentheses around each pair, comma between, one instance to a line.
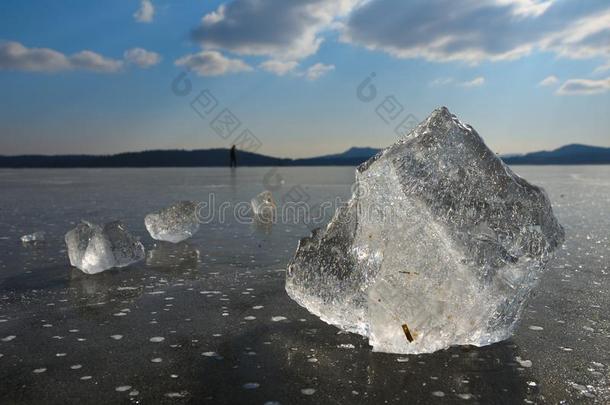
(573,154)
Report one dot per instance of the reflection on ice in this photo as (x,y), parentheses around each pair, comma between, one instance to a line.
(167,256)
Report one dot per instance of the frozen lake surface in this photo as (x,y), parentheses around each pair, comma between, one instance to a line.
(208,321)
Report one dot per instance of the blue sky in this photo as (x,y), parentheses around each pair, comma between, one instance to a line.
(96,77)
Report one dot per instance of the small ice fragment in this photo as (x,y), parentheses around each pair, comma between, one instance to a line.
(123,388)
(464,396)
(534,327)
(439,394)
(278,318)
(176,395)
(523,363)
(308,391)
(39,370)
(156,360)
(76,367)
(251,385)
(157,339)
(116,337)
(8,338)
(175,223)
(86,377)
(33,237)
(263,207)
(249,318)
(93,248)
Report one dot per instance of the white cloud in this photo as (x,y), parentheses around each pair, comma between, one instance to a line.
(318,70)
(526,8)
(141,57)
(95,62)
(584,87)
(602,68)
(214,17)
(586,37)
(476,82)
(549,81)
(212,63)
(145,13)
(441,81)
(475,31)
(15,56)
(278,67)
(468,31)
(280,29)
(446,81)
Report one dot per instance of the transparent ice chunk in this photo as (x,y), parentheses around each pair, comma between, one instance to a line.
(175,223)
(264,207)
(440,245)
(93,248)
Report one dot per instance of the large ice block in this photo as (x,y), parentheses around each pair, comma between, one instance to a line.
(175,223)
(93,248)
(440,245)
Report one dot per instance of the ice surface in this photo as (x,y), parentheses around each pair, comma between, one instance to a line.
(263,207)
(440,245)
(93,248)
(33,237)
(175,223)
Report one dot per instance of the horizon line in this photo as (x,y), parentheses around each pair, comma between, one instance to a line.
(266,155)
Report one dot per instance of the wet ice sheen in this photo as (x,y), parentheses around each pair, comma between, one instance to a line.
(175,223)
(93,248)
(440,245)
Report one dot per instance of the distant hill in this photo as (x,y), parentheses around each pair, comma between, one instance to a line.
(353,153)
(574,154)
(153,158)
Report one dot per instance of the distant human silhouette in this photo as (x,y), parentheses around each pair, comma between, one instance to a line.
(233,156)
